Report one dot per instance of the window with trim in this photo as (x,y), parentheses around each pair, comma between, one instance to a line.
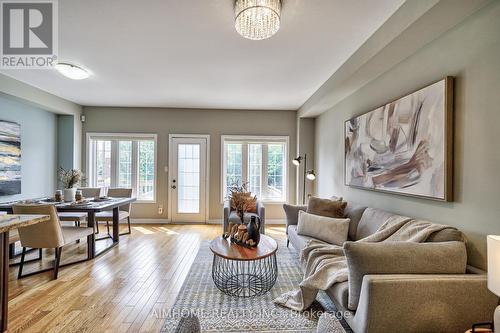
(261,162)
(122,160)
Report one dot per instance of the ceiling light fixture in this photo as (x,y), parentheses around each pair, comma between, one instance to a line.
(257,19)
(71,71)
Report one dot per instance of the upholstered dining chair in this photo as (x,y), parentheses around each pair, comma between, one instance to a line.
(79,217)
(124,213)
(47,235)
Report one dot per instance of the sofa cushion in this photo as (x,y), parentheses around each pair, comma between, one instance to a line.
(298,241)
(339,293)
(328,229)
(353,211)
(326,207)
(292,213)
(370,221)
(365,258)
(373,218)
(234,218)
(446,235)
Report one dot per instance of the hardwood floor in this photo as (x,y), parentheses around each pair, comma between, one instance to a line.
(119,291)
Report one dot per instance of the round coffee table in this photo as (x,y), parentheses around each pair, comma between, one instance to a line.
(244,272)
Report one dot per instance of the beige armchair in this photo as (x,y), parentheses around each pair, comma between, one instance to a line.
(47,235)
(124,213)
(77,217)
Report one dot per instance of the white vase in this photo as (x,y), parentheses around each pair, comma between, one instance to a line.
(69,194)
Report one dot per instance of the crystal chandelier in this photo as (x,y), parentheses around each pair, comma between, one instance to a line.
(257,19)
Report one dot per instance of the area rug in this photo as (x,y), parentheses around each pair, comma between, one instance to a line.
(218,312)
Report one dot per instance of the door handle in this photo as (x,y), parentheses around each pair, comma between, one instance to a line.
(173,187)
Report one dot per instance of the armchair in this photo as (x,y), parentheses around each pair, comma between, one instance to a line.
(232,216)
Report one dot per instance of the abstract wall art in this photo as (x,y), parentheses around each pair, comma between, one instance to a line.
(405,146)
(10,158)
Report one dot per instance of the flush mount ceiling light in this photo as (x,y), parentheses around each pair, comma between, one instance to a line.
(257,19)
(71,71)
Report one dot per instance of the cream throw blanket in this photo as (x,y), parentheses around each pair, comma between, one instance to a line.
(325,264)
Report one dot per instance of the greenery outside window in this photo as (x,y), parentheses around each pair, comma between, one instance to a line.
(259,161)
(123,160)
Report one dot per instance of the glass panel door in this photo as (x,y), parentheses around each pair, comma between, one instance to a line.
(188,200)
(187,177)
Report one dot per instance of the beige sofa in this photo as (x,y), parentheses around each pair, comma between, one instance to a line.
(406,302)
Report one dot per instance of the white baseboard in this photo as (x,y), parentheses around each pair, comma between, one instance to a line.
(211,221)
(268,221)
(275,221)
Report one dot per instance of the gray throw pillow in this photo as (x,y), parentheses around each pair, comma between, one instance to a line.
(328,229)
(400,258)
(292,213)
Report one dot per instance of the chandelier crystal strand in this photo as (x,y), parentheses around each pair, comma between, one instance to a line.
(257,19)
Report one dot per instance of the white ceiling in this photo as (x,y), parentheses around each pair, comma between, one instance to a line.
(179,53)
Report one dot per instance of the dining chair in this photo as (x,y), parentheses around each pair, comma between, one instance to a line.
(124,212)
(79,217)
(47,235)
(13,239)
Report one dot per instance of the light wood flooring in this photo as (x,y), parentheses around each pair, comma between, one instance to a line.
(119,291)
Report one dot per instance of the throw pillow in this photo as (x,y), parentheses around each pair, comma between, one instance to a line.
(327,229)
(365,258)
(251,203)
(326,207)
(292,213)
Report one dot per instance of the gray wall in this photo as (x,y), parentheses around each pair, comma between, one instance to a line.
(38,147)
(65,141)
(46,102)
(471,53)
(186,121)
(305,146)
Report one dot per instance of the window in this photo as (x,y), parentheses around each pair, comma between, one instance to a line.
(103,165)
(255,168)
(261,162)
(146,170)
(275,165)
(122,160)
(233,168)
(125,164)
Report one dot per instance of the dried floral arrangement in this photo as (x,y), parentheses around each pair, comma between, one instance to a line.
(241,199)
(70,178)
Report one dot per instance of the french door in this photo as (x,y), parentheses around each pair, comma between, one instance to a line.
(188,178)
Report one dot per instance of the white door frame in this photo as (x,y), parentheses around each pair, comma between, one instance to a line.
(207,178)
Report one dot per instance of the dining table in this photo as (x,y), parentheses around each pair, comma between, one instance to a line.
(8,223)
(89,206)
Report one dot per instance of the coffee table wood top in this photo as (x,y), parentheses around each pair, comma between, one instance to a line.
(224,248)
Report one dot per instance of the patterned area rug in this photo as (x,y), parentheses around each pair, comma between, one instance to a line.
(218,312)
